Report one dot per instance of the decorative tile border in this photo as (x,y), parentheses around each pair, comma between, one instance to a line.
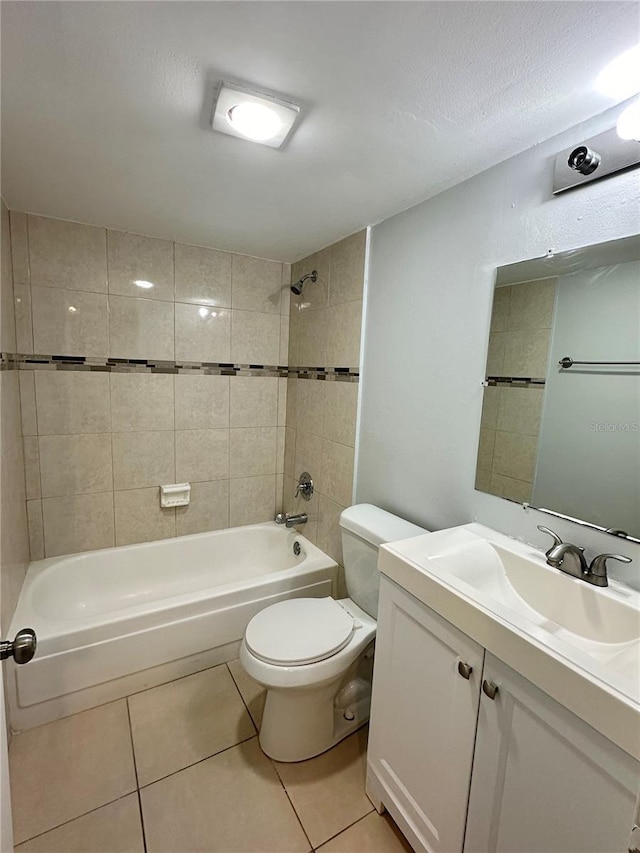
(21,361)
(515,381)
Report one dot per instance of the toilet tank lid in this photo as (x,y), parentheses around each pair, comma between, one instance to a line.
(376,525)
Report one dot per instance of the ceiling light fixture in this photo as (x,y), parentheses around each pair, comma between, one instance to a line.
(252,115)
(145,285)
(620,79)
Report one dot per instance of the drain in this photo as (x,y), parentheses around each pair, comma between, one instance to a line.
(297,550)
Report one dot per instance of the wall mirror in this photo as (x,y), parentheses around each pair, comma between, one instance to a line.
(564,436)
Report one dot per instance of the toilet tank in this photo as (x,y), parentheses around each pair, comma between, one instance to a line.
(364,528)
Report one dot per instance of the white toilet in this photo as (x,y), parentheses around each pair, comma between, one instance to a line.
(315,655)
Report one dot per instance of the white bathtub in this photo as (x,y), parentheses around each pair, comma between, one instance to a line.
(115,621)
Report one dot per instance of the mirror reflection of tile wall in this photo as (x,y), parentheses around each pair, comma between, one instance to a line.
(519,342)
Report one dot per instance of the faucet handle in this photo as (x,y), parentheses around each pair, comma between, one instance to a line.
(556,539)
(599,564)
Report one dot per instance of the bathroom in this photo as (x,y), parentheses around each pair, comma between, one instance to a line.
(150,338)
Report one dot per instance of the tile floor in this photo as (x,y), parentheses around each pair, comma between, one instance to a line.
(178,769)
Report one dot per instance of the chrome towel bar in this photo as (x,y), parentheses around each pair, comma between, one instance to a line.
(567,362)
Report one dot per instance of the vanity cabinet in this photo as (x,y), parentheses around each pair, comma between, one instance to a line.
(461,771)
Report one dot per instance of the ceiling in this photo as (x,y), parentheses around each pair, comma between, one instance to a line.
(105,108)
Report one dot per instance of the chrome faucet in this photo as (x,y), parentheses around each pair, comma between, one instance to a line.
(291,519)
(570,559)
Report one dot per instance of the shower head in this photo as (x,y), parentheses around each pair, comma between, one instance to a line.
(297,287)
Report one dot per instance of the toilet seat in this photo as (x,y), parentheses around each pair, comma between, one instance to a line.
(300,631)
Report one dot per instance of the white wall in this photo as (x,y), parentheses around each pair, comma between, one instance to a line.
(431,277)
(589,449)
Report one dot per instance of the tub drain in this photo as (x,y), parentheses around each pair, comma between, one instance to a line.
(297,550)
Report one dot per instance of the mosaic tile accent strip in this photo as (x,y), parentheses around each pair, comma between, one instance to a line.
(518,381)
(20,361)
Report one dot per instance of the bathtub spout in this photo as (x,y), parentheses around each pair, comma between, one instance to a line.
(291,520)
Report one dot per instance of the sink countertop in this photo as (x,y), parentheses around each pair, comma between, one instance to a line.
(462,574)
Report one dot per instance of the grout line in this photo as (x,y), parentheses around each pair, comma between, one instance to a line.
(320,846)
(284,788)
(135,768)
(255,725)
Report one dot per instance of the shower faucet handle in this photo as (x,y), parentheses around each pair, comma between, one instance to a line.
(305,486)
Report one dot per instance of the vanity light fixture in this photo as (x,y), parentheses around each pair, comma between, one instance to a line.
(620,79)
(256,116)
(628,125)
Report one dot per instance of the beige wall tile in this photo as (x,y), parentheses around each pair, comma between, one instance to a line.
(486,444)
(340,410)
(140,328)
(14,544)
(202,402)
(32,467)
(140,518)
(329,536)
(532,305)
(115,828)
(203,275)
(252,451)
(173,725)
(23,321)
(495,354)
(282,402)
(310,405)
(295,323)
(500,311)
(251,500)
(520,410)
(256,284)
(490,406)
(67,255)
(254,401)
(67,322)
(280,445)
(7,318)
(202,454)
(202,333)
(510,488)
(75,464)
(309,458)
(344,323)
(279,492)
(283,356)
(133,258)
(483,480)
(290,438)
(292,402)
(19,248)
(337,472)
(315,294)
(28,402)
(141,401)
(527,353)
(36,530)
(10,418)
(78,523)
(72,402)
(515,455)
(143,459)
(285,305)
(86,760)
(191,810)
(208,509)
(255,338)
(312,338)
(347,269)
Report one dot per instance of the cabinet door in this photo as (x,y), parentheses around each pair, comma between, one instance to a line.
(423,721)
(543,780)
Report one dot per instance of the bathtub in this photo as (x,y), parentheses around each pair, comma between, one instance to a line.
(119,620)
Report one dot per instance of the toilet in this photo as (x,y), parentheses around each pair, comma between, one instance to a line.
(315,655)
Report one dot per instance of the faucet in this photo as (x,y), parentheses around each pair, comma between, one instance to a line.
(570,559)
(291,519)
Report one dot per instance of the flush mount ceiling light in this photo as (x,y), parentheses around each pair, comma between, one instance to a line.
(620,79)
(253,115)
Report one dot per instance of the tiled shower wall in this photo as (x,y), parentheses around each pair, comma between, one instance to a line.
(99,442)
(14,546)
(325,331)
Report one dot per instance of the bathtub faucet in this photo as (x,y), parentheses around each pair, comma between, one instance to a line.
(291,520)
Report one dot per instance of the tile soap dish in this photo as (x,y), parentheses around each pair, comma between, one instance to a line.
(175,494)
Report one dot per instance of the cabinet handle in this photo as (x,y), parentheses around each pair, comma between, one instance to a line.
(489,688)
(465,669)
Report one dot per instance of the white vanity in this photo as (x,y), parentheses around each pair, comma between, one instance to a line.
(506,700)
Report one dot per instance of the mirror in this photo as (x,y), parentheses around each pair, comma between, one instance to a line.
(565,437)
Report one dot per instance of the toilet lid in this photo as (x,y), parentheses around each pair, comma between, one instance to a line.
(299,631)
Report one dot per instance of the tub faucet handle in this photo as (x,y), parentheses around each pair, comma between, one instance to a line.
(281,518)
(23,647)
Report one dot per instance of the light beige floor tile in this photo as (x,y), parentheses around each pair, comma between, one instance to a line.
(69,767)
(115,828)
(373,834)
(253,693)
(327,792)
(231,802)
(182,722)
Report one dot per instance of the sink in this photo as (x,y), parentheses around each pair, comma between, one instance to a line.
(527,584)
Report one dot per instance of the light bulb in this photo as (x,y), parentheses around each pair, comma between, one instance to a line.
(628,125)
(620,79)
(255,121)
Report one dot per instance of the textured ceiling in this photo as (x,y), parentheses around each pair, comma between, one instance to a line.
(105,108)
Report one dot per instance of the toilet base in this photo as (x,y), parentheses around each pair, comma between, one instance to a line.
(298,724)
